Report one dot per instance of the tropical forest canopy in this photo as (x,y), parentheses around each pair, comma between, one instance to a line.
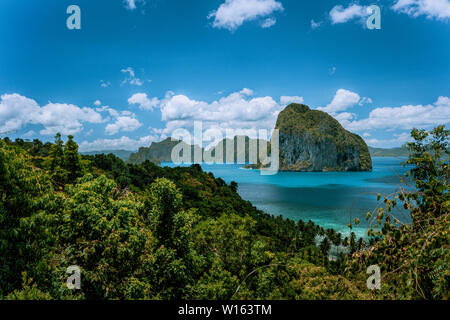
(141,231)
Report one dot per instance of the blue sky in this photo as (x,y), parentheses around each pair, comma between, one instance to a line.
(137,70)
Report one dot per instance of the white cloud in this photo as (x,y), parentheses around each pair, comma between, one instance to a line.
(130,71)
(438,9)
(269,22)
(236,106)
(404,117)
(123,123)
(29,134)
(397,140)
(285,100)
(239,110)
(339,14)
(344,116)
(123,143)
(233,13)
(105,84)
(246,92)
(315,25)
(365,100)
(143,101)
(343,100)
(97,103)
(17,111)
(443,102)
(132,4)
(112,112)
(131,78)
(64,118)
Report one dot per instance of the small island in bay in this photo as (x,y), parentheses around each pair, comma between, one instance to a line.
(312,141)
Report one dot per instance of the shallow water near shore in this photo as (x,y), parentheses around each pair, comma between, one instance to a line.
(330,199)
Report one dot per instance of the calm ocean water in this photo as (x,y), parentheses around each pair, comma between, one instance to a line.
(330,199)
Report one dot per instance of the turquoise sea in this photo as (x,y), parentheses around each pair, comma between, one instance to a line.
(330,199)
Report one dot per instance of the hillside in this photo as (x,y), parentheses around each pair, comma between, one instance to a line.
(160,152)
(148,232)
(312,140)
(122,154)
(240,154)
(394,152)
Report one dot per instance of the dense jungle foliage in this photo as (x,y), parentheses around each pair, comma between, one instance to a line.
(141,231)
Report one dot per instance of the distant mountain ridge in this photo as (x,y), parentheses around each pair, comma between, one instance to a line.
(394,152)
(122,154)
(161,152)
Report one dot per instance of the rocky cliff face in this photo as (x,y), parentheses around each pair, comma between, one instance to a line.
(312,140)
(240,148)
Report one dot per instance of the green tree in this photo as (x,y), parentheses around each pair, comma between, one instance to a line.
(25,195)
(56,161)
(101,231)
(325,246)
(352,243)
(175,258)
(228,240)
(415,257)
(57,153)
(134,232)
(72,160)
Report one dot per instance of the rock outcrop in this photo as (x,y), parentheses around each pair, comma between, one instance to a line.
(161,152)
(240,149)
(312,140)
